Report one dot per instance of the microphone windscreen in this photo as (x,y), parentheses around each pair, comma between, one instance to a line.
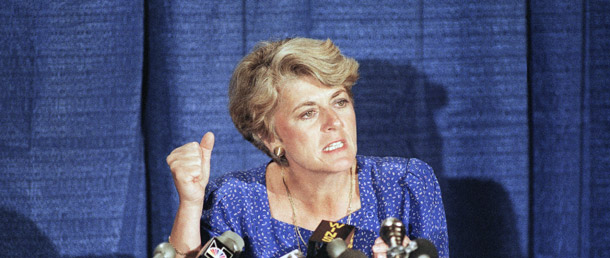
(351,253)
(296,253)
(325,233)
(164,250)
(425,249)
(336,247)
(232,240)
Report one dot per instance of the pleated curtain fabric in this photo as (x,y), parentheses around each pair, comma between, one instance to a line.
(569,65)
(71,153)
(508,101)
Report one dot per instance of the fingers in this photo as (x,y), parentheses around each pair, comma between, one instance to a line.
(379,248)
(190,167)
(189,150)
(405,241)
(193,149)
(185,163)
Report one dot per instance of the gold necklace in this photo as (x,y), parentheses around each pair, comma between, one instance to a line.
(352,182)
(294,214)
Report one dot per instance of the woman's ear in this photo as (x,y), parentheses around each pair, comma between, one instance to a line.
(274,144)
(270,142)
(276,148)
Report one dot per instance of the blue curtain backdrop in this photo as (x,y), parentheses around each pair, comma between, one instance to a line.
(507,100)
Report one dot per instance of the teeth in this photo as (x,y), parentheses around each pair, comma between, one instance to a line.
(334,146)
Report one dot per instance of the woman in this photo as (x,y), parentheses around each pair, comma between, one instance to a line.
(292,99)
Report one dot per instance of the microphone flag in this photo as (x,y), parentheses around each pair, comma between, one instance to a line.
(216,249)
(325,233)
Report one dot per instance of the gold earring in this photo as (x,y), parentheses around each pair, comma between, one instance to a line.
(279,151)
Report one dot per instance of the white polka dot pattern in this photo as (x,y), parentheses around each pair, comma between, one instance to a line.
(389,187)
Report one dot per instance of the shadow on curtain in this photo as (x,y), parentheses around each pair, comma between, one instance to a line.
(27,240)
(395,106)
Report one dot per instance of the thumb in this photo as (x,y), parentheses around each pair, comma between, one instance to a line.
(207,142)
(206,145)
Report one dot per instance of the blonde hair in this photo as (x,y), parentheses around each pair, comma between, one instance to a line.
(254,86)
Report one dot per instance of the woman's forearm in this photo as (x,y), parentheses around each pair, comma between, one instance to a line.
(186,235)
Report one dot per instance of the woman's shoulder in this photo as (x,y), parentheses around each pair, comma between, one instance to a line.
(235,184)
(397,173)
(394,166)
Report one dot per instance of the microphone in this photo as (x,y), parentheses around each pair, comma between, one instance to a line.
(424,249)
(294,254)
(338,249)
(392,232)
(325,233)
(227,245)
(164,250)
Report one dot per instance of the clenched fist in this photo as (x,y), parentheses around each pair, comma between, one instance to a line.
(190,166)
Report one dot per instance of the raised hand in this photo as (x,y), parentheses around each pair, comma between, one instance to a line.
(190,166)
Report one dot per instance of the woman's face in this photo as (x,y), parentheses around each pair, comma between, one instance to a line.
(316,126)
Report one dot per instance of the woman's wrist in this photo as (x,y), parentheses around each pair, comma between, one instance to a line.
(190,211)
(190,204)
(183,253)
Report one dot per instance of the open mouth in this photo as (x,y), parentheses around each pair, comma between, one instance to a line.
(333,146)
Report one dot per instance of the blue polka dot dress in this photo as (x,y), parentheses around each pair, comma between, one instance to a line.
(389,187)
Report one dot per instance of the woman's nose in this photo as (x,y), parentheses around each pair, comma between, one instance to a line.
(332,120)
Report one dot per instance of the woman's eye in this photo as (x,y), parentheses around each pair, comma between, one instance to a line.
(342,102)
(308,114)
